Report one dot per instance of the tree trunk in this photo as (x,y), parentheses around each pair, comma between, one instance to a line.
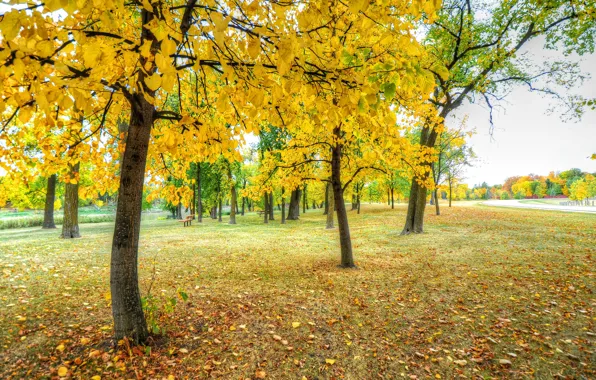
(219,210)
(193,206)
(271,205)
(70,222)
(392,200)
(233,205)
(347,258)
(199,198)
(265,208)
(304,200)
(294,210)
(179,210)
(329,201)
(437,202)
(127,310)
(417,203)
(48,212)
(283,206)
(213,212)
(389,196)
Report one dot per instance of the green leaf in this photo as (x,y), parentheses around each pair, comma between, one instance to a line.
(389,89)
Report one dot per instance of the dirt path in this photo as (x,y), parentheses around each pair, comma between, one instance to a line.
(517,204)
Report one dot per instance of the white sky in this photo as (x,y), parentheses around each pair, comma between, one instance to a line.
(528,140)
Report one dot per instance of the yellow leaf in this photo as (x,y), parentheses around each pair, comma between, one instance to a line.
(254,47)
(147,5)
(330,361)
(62,371)
(594,156)
(60,347)
(260,374)
(96,377)
(295,324)
(85,341)
(153,82)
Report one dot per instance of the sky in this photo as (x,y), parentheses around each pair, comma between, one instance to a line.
(526,139)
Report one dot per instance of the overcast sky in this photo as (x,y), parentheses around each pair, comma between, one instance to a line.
(528,140)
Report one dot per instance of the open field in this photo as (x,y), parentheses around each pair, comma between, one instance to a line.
(491,292)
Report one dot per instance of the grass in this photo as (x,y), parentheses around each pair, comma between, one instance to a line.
(548,201)
(484,293)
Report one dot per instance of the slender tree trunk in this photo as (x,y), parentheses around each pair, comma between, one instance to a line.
(265,208)
(392,200)
(219,219)
(271,205)
(243,198)
(437,201)
(347,258)
(199,198)
(233,205)
(70,223)
(48,212)
(294,210)
(330,202)
(388,196)
(127,310)
(283,206)
(304,200)
(193,206)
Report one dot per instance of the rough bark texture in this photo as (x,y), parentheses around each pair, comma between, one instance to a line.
(283,206)
(48,212)
(450,189)
(219,207)
(127,310)
(330,203)
(70,223)
(233,205)
(294,210)
(243,198)
(436,192)
(347,258)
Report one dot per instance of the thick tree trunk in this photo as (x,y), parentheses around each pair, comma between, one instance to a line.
(233,205)
(437,202)
(213,212)
(283,206)
(347,258)
(265,208)
(271,206)
(179,210)
(417,203)
(70,222)
(48,212)
(294,210)
(329,201)
(199,197)
(127,310)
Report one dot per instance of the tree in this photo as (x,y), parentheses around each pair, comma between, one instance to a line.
(477,51)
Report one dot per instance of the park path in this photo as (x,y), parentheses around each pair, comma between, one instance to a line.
(517,204)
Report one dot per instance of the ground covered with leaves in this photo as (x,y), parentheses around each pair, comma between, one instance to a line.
(484,293)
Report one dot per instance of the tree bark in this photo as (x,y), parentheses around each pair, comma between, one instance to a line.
(304,200)
(199,197)
(271,206)
(437,201)
(450,189)
(417,203)
(70,222)
(243,198)
(326,199)
(283,206)
(265,208)
(233,205)
(127,310)
(219,210)
(48,212)
(193,206)
(294,210)
(329,201)
(392,200)
(389,196)
(347,258)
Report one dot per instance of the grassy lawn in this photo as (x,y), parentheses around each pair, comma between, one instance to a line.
(485,292)
(550,201)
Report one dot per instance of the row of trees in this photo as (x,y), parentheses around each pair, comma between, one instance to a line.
(145,93)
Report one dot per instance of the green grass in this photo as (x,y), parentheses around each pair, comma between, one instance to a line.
(482,284)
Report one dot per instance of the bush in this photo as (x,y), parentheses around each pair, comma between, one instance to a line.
(505,195)
(37,220)
(520,195)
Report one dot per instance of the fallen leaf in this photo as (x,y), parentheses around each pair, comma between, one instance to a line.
(295,324)
(330,361)
(260,374)
(62,371)
(504,362)
(460,362)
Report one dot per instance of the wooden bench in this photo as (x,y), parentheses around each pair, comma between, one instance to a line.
(188,220)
